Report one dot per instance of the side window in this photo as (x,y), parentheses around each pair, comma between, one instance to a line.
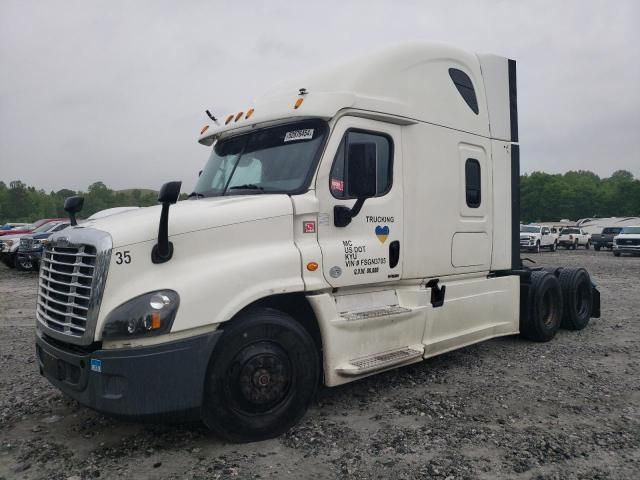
(472,176)
(545,231)
(377,143)
(465,87)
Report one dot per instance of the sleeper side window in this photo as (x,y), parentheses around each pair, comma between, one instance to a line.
(377,144)
(465,87)
(472,176)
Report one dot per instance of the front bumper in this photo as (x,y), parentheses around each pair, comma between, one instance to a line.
(31,256)
(140,381)
(626,248)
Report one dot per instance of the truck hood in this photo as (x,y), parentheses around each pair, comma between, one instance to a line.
(628,236)
(141,225)
(527,235)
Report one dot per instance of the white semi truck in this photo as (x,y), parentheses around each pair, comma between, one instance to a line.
(360,220)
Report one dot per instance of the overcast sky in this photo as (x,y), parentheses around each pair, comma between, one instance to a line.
(116,90)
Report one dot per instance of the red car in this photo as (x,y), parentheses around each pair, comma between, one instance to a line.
(30,228)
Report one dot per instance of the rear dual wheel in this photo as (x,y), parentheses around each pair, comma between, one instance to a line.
(264,378)
(577,297)
(541,311)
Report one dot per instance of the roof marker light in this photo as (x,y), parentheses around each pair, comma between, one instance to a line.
(249,113)
(298,103)
(229,118)
(204,129)
(238,116)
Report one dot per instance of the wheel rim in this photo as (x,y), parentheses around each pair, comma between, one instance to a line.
(259,378)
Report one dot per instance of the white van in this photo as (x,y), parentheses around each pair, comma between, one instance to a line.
(357,221)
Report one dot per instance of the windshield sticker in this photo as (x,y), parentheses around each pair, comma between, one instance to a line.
(306,134)
(337,185)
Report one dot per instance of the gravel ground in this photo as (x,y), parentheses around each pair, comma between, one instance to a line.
(507,408)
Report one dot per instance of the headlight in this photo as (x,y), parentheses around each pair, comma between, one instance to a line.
(148,314)
(8,243)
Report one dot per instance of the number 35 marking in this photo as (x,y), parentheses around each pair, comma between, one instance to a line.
(123,257)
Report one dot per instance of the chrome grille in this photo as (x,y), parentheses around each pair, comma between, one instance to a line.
(72,277)
(65,288)
(25,244)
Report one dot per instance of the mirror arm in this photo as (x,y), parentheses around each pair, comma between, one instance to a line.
(342,215)
(163,250)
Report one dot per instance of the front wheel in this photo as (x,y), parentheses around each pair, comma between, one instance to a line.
(554,246)
(597,248)
(616,254)
(537,247)
(262,378)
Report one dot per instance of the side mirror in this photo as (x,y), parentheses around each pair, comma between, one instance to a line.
(168,195)
(362,180)
(169,192)
(73,205)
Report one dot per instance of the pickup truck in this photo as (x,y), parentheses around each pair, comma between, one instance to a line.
(29,228)
(604,239)
(9,244)
(30,248)
(535,237)
(573,237)
(628,241)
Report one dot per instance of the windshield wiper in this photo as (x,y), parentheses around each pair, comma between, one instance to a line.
(248,186)
(196,194)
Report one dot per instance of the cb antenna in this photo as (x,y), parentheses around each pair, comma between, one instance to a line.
(210,115)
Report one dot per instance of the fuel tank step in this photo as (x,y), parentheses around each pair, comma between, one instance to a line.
(376,313)
(381,361)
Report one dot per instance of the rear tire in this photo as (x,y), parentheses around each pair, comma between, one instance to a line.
(596,248)
(262,378)
(576,297)
(541,311)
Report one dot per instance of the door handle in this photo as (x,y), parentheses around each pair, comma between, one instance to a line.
(394,253)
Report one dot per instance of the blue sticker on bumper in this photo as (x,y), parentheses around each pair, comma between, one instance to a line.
(96,365)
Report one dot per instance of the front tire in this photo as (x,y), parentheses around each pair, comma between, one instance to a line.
(537,247)
(616,254)
(597,248)
(262,378)
(588,245)
(554,246)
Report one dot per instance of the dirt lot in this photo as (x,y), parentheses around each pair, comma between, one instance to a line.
(508,408)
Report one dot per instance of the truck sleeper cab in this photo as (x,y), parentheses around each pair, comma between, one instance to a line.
(352,223)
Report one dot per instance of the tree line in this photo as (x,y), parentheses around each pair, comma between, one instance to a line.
(543,197)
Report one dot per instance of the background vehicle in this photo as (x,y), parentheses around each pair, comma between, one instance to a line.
(307,251)
(9,244)
(535,237)
(572,238)
(604,239)
(12,226)
(627,241)
(31,245)
(31,227)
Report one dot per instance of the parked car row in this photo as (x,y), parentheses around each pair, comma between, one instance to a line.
(620,240)
(22,244)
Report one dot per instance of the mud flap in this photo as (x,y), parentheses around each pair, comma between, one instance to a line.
(595,305)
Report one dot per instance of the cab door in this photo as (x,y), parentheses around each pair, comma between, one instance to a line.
(368,250)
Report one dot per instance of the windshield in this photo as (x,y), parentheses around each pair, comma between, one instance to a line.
(611,230)
(270,160)
(633,230)
(567,231)
(45,228)
(524,229)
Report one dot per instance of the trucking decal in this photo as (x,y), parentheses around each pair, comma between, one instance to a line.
(305,134)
